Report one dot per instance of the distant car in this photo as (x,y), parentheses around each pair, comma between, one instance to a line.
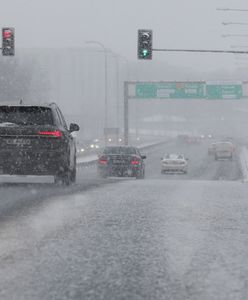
(182,138)
(224,150)
(121,161)
(211,149)
(86,147)
(35,140)
(189,139)
(194,140)
(174,163)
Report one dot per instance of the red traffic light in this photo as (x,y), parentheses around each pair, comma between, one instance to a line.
(8,41)
(7,33)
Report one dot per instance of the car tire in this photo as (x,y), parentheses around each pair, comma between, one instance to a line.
(141,176)
(63,179)
(102,175)
(73,173)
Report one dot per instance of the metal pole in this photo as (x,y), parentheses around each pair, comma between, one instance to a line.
(126,127)
(118,57)
(117,94)
(105,85)
(202,51)
(106,96)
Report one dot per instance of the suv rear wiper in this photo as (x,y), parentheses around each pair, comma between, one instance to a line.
(2,124)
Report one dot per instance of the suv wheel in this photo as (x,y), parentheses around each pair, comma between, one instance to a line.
(64,178)
(73,173)
(141,175)
(102,175)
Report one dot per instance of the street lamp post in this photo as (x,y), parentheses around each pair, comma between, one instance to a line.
(105,85)
(118,58)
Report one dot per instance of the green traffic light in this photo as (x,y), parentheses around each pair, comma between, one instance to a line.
(145,52)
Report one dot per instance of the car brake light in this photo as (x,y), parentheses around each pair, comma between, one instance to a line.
(135,162)
(55,133)
(103,161)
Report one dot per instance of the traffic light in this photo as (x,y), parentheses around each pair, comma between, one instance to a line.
(8,41)
(144,44)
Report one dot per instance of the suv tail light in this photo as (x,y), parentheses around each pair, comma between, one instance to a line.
(135,162)
(55,133)
(102,160)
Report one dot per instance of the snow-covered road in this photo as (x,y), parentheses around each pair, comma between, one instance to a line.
(151,239)
(165,237)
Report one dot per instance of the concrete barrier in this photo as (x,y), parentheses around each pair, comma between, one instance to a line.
(244,163)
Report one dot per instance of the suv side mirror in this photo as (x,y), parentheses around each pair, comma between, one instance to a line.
(74,127)
(143,156)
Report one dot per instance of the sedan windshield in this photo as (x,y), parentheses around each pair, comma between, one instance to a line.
(174,156)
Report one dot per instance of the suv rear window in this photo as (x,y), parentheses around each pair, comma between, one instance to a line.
(26,115)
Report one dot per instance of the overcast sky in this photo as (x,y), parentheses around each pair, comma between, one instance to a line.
(175,24)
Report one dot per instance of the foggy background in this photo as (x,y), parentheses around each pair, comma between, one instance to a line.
(53,62)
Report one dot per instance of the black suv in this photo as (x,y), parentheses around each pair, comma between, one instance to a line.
(121,161)
(35,140)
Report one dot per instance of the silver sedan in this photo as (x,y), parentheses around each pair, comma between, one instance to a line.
(174,163)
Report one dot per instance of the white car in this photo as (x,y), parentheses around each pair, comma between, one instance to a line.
(174,163)
(211,149)
(224,150)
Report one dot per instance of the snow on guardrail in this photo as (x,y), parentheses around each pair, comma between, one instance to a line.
(244,163)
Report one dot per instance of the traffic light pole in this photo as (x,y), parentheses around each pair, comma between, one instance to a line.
(201,51)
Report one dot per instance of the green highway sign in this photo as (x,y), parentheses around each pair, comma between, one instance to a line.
(189,90)
(170,90)
(224,91)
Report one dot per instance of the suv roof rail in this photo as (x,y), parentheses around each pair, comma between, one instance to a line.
(19,103)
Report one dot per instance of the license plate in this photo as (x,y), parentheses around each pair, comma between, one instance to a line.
(118,161)
(18,142)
